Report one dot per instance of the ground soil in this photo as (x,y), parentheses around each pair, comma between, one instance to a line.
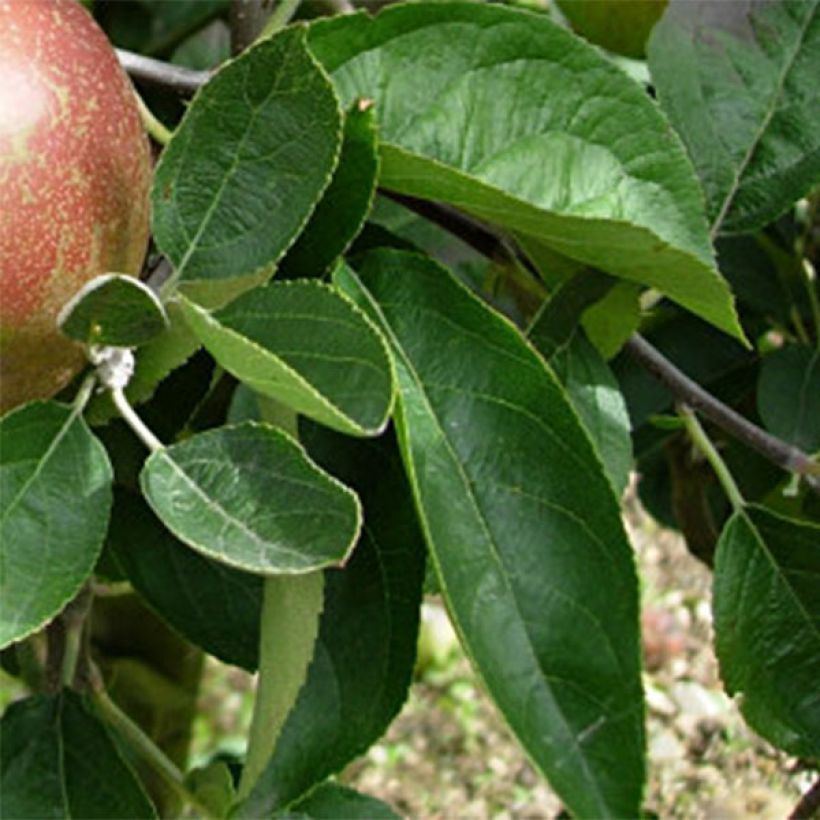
(448,755)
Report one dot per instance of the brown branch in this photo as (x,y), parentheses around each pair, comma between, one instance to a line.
(247,19)
(488,244)
(809,804)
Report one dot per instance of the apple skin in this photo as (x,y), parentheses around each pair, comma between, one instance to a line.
(75,175)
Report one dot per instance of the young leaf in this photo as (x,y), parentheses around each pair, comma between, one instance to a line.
(788,395)
(523,528)
(331,801)
(245,168)
(55,497)
(767,625)
(307,346)
(512,118)
(360,673)
(342,210)
(739,82)
(58,760)
(113,309)
(212,605)
(248,496)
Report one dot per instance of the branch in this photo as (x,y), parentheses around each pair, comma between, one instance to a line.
(247,19)
(779,452)
(684,389)
(185,81)
(809,804)
(488,244)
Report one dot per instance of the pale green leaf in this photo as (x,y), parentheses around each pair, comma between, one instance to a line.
(508,116)
(249,497)
(307,346)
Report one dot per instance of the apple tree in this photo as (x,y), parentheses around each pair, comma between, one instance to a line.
(423,288)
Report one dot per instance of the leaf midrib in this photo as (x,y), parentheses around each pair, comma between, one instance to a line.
(755,143)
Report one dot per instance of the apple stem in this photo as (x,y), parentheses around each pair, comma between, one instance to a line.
(135,422)
(158,132)
(84,394)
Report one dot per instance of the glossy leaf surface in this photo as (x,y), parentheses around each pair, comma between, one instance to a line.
(766,602)
(55,497)
(508,116)
(523,528)
(788,395)
(342,210)
(57,760)
(246,166)
(214,606)
(249,497)
(739,82)
(363,663)
(306,346)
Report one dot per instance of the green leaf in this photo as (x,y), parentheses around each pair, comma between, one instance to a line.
(767,625)
(212,605)
(595,395)
(523,528)
(155,361)
(307,346)
(113,309)
(739,82)
(341,212)
(611,321)
(788,395)
(57,760)
(213,787)
(245,168)
(513,119)
(366,649)
(55,497)
(331,801)
(248,496)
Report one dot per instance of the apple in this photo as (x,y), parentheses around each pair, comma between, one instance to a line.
(621,26)
(75,173)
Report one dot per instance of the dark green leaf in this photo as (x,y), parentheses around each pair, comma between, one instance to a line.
(249,497)
(58,761)
(359,676)
(245,167)
(767,625)
(739,82)
(55,497)
(330,801)
(508,116)
(307,346)
(212,605)
(113,309)
(523,527)
(596,397)
(788,395)
(341,212)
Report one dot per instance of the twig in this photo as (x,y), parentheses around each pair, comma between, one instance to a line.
(184,81)
(488,244)
(784,455)
(247,19)
(809,804)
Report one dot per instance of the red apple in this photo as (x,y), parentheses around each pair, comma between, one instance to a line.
(75,172)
